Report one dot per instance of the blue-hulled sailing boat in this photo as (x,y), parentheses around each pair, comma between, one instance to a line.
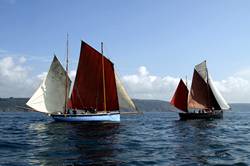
(97,94)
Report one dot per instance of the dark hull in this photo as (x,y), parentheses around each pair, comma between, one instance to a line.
(212,115)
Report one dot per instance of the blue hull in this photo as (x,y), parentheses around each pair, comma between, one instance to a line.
(100,117)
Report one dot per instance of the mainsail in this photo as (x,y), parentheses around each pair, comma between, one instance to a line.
(88,89)
(180,97)
(125,101)
(203,93)
(50,96)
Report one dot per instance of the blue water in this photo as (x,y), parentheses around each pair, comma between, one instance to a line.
(155,138)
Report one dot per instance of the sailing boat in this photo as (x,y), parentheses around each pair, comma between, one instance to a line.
(204,101)
(97,94)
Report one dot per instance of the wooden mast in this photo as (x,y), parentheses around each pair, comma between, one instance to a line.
(103,79)
(66,81)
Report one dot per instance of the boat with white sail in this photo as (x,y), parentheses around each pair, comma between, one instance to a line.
(97,94)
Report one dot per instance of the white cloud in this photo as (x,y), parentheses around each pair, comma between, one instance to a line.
(147,86)
(14,78)
(42,75)
(10,70)
(17,80)
(143,71)
(143,84)
(236,88)
(22,59)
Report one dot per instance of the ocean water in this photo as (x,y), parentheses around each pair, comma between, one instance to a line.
(155,138)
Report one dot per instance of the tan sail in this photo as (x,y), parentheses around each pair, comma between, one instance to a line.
(125,101)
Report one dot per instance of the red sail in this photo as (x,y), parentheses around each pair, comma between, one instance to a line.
(88,88)
(180,97)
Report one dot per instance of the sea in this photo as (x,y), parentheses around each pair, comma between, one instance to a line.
(154,138)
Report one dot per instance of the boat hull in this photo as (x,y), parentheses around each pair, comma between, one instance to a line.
(99,117)
(211,115)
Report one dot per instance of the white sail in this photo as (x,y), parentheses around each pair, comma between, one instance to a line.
(50,96)
(125,101)
(219,98)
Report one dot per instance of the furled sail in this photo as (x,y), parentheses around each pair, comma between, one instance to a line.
(50,96)
(180,97)
(88,89)
(125,101)
(201,95)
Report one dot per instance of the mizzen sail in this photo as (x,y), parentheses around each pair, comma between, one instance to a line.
(88,89)
(179,100)
(50,96)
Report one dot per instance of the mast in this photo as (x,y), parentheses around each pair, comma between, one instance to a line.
(103,79)
(66,81)
(208,94)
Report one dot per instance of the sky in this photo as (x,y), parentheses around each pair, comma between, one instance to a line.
(152,43)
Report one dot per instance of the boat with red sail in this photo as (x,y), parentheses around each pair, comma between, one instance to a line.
(203,101)
(97,94)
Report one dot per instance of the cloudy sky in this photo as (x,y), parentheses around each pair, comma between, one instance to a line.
(152,43)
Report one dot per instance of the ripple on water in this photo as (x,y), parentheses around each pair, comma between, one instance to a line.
(156,138)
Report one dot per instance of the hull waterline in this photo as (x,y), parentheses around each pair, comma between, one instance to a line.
(100,117)
(211,115)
